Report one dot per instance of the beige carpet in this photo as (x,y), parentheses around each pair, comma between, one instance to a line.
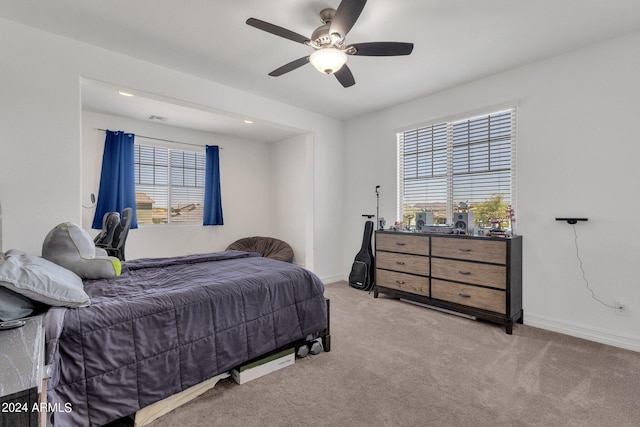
(394,364)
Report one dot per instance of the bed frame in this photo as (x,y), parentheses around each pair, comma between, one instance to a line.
(152,412)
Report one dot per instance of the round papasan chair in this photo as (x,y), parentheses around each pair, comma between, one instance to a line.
(268,247)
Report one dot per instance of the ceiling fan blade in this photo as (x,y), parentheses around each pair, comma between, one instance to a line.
(382,48)
(346,15)
(344,76)
(290,66)
(278,31)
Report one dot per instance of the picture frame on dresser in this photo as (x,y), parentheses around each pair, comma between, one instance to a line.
(480,277)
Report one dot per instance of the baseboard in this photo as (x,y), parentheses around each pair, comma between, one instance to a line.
(332,279)
(581,331)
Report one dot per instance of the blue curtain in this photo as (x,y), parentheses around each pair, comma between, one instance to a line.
(117,180)
(212,196)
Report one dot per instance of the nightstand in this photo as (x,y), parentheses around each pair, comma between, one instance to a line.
(21,375)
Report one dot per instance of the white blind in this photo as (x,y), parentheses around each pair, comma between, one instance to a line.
(469,160)
(424,167)
(169,185)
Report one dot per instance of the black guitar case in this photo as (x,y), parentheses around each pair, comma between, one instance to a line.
(362,274)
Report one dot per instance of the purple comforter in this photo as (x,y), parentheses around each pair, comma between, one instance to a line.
(167,324)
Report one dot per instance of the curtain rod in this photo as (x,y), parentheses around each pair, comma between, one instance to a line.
(163,140)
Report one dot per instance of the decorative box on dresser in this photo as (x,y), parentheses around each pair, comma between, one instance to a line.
(477,276)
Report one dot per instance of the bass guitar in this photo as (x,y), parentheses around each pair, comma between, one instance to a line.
(362,274)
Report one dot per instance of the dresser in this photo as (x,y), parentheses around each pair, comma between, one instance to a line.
(21,375)
(480,277)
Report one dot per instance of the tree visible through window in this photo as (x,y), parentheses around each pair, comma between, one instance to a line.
(169,185)
(467,163)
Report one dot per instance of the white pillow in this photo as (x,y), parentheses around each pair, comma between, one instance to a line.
(41,280)
(14,306)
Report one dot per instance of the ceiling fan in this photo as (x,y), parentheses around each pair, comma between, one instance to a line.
(328,41)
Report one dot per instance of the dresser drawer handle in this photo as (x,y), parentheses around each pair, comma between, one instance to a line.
(464,273)
(400,243)
(463,295)
(464,250)
(399,262)
(400,282)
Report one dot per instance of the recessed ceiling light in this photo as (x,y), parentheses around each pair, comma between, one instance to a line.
(125,93)
(249,122)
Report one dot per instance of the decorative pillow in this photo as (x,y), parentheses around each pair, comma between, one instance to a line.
(41,280)
(71,247)
(14,306)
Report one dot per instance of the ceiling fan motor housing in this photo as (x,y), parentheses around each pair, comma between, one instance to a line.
(321,35)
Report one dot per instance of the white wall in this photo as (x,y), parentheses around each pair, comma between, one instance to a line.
(289,193)
(40,151)
(577,155)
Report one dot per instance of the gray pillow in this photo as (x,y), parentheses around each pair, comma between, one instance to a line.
(14,306)
(41,280)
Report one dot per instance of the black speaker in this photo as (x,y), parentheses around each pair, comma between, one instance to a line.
(423,218)
(463,221)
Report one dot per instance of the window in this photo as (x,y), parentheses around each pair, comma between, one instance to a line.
(169,185)
(458,165)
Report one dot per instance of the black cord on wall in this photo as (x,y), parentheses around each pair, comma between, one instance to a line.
(584,275)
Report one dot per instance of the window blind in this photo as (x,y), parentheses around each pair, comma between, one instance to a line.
(424,162)
(169,185)
(464,161)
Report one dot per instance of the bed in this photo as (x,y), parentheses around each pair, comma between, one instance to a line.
(167,324)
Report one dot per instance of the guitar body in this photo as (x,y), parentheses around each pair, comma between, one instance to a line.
(363,270)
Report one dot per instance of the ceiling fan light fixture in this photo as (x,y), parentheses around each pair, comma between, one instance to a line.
(328,60)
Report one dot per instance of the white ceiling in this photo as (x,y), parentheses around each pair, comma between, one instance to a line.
(456,41)
(104,98)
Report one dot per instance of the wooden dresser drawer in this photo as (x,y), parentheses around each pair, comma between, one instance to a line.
(402,281)
(493,251)
(402,262)
(469,295)
(405,243)
(470,272)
